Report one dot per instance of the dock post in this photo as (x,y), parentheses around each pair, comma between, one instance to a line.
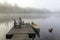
(32,38)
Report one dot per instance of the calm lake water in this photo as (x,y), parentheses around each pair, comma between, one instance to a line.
(45,23)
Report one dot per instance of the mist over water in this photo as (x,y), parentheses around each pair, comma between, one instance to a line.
(53,21)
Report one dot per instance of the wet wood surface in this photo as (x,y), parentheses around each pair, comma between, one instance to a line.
(21,33)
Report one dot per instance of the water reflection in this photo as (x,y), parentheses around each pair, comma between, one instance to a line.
(45,25)
(4,28)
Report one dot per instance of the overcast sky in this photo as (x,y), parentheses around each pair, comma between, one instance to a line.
(49,4)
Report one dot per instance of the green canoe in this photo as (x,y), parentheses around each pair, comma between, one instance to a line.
(35,27)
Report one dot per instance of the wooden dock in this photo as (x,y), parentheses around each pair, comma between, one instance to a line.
(24,33)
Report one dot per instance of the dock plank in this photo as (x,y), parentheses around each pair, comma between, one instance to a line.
(22,33)
(24,29)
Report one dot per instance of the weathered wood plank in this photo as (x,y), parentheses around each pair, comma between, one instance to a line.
(22,33)
(24,29)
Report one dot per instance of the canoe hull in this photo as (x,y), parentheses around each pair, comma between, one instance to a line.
(36,29)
